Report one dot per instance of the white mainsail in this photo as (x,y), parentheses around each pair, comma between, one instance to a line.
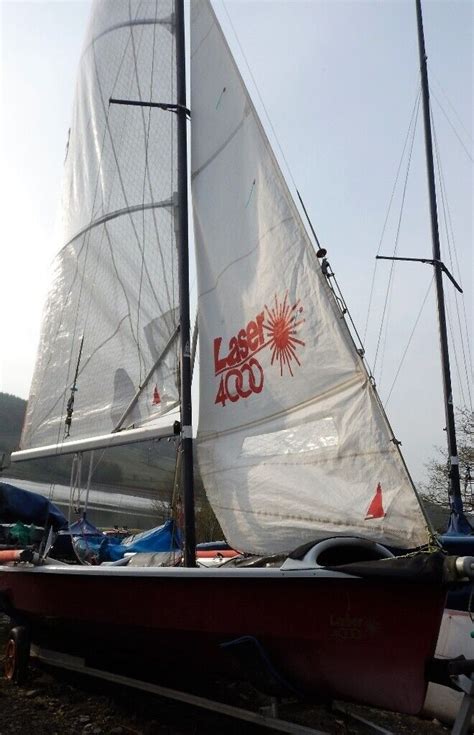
(292,442)
(115,280)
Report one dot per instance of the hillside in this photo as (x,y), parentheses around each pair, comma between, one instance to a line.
(12,411)
(149,465)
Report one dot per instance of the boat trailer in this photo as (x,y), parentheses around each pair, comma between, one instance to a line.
(18,651)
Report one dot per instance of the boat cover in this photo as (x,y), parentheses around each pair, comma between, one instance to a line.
(421,568)
(83,527)
(163,538)
(213,546)
(21,505)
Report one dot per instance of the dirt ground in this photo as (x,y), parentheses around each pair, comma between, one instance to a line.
(55,702)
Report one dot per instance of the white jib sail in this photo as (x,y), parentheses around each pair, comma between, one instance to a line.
(292,443)
(115,281)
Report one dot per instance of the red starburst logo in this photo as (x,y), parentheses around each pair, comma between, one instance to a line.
(282,324)
(239,369)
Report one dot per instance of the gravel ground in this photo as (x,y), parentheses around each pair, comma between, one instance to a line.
(55,702)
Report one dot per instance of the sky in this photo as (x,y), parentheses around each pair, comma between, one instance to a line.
(339,82)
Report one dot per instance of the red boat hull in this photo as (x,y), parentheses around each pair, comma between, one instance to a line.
(330,636)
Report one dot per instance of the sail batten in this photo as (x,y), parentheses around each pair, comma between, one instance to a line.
(120,213)
(115,279)
(292,442)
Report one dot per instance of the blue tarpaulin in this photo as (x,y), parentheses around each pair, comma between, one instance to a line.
(83,527)
(17,504)
(162,538)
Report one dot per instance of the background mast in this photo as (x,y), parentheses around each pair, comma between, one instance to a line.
(458,522)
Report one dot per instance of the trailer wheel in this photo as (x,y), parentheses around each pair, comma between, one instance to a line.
(17,655)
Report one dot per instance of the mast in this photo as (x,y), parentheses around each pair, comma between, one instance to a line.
(454,483)
(183,251)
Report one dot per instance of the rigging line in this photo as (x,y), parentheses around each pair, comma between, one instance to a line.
(98,460)
(194,344)
(392,272)
(345,312)
(86,245)
(259,95)
(104,205)
(392,267)
(99,178)
(48,361)
(463,346)
(444,199)
(468,133)
(71,486)
(103,343)
(451,334)
(146,129)
(448,219)
(145,173)
(91,282)
(60,441)
(81,278)
(466,335)
(120,177)
(465,148)
(122,285)
(173,157)
(450,240)
(372,286)
(409,341)
(147,168)
(156,364)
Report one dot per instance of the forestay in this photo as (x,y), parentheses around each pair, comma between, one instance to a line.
(115,279)
(292,442)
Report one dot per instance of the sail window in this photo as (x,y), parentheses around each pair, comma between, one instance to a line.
(317,435)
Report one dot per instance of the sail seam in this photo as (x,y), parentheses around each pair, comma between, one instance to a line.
(244,256)
(306,461)
(327,522)
(287,411)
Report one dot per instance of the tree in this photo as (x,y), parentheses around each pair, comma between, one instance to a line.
(207,525)
(436,487)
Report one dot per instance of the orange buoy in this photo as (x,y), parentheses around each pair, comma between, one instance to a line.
(223,553)
(11,555)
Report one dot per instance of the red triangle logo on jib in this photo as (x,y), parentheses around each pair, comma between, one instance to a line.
(156,396)
(375,509)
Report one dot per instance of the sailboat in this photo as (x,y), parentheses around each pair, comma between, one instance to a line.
(296,453)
